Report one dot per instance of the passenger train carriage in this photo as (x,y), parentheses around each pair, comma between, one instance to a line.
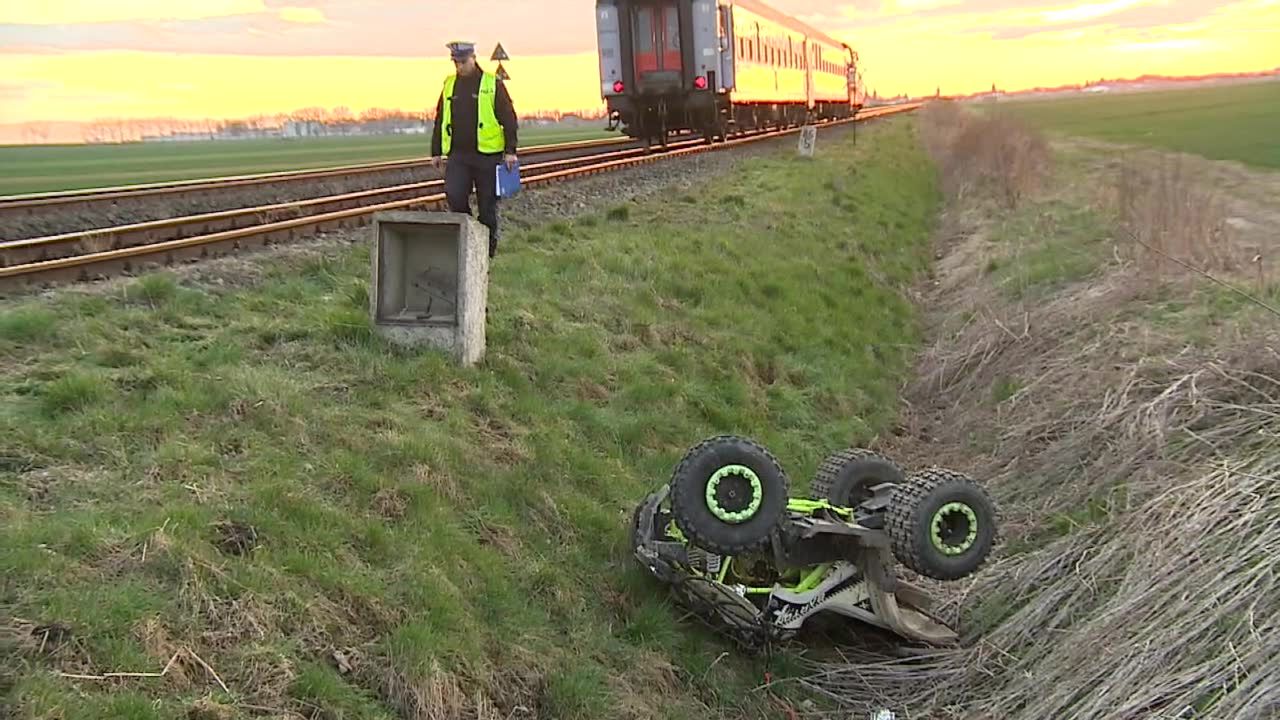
(717,67)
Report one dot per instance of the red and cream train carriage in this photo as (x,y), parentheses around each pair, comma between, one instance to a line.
(716,67)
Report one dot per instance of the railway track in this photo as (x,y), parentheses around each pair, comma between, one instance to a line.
(126,249)
(12,206)
(51,247)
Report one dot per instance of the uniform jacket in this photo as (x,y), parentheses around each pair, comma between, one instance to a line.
(466,92)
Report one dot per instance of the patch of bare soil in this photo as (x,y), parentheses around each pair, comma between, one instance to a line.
(1135,467)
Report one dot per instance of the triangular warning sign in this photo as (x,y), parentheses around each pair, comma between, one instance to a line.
(502,73)
(500,54)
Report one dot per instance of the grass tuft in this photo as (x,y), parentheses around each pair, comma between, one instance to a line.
(153,289)
(72,392)
(25,325)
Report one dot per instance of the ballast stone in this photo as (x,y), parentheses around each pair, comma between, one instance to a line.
(431,281)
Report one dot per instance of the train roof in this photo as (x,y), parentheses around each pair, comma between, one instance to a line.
(778,16)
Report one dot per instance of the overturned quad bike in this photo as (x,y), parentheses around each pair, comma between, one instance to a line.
(739,551)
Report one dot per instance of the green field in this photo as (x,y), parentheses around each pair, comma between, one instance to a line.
(456,534)
(36,168)
(1221,123)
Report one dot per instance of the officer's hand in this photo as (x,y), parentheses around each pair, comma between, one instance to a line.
(436,161)
(510,160)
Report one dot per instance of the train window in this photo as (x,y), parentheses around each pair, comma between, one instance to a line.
(644,31)
(673,28)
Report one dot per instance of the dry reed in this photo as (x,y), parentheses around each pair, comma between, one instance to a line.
(1168,212)
(1137,478)
(991,153)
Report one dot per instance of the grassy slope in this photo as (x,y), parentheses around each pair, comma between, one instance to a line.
(1223,123)
(441,527)
(1039,334)
(1056,248)
(29,169)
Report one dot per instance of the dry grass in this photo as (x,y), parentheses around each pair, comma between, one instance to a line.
(1136,472)
(998,154)
(1139,578)
(438,694)
(1169,213)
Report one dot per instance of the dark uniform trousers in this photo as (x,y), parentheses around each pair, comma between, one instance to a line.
(465,171)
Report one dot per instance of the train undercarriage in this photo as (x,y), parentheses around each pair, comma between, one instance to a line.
(658,120)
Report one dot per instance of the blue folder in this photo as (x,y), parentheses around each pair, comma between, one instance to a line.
(508,180)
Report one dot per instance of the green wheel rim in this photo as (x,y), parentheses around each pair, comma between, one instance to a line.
(935,528)
(724,514)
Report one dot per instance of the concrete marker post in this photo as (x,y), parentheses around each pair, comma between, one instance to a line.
(808,140)
(430,282)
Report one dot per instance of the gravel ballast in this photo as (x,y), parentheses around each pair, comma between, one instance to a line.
(56,220)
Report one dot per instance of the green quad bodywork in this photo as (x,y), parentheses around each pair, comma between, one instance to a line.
(726,536)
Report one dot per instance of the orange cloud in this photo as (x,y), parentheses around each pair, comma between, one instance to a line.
(966,47)
(227,58)
(134,84)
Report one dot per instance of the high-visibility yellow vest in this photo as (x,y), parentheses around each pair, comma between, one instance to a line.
(489,135)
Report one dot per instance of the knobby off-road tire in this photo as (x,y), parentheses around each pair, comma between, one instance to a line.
(728,494)
(942,524)
(845,478)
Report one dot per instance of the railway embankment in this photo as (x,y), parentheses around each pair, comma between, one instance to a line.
(1103,349)
(222,497)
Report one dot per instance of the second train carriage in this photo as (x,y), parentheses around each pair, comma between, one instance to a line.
(718,66)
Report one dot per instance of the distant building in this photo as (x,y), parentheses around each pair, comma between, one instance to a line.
(301,128)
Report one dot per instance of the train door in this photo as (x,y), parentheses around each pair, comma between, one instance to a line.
(728,49)
(657,50)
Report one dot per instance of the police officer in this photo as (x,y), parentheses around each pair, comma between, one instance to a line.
(475,129)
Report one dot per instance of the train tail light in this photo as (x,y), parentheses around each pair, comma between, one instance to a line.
(700,82)
(619,87)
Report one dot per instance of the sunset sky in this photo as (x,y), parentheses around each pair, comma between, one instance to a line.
(66,60)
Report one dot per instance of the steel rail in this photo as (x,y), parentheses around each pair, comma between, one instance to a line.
(9,203)
(170,251)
